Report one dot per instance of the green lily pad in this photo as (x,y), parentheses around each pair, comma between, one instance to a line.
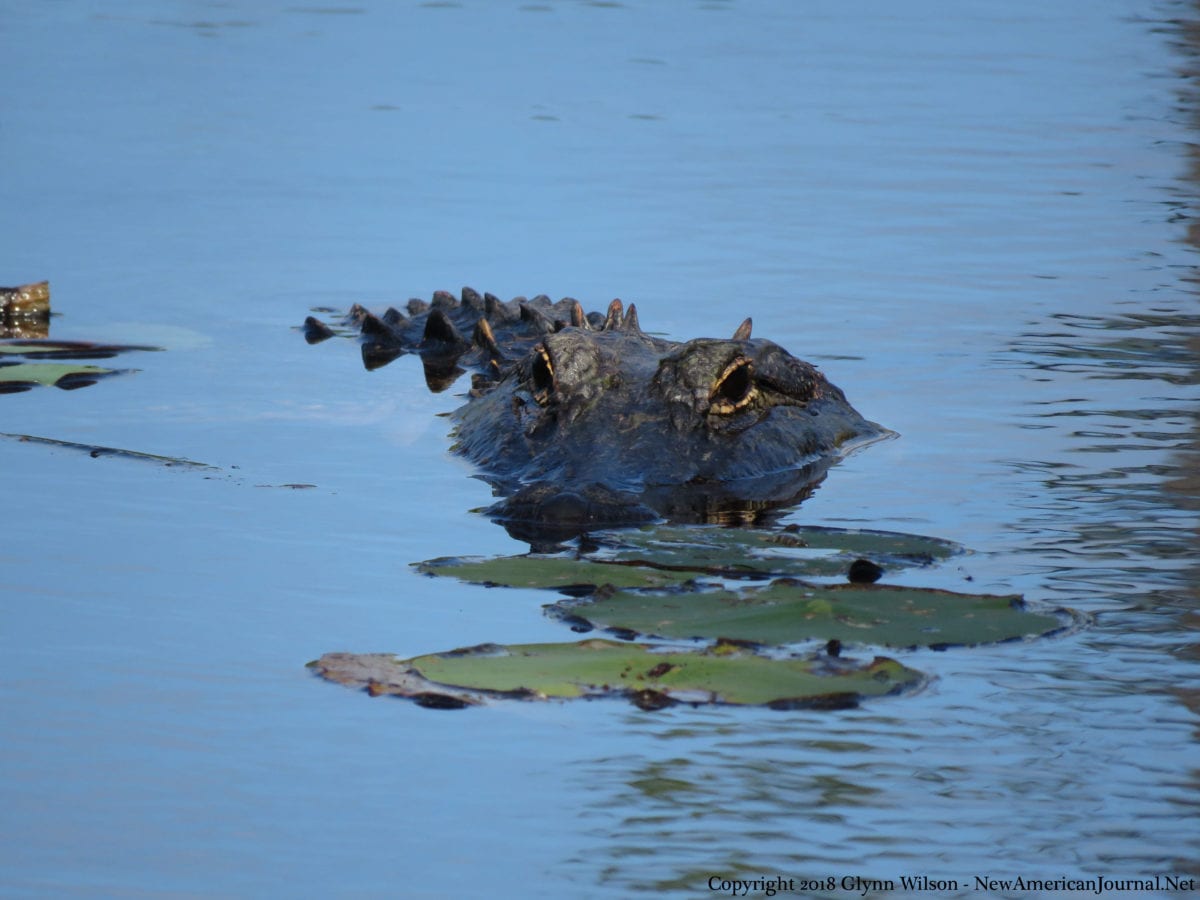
(559,572)
(651,677)
(811,551)
(23,376)
(662,556)
(812,536)
(788,611)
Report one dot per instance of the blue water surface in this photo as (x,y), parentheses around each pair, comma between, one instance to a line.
(976,217)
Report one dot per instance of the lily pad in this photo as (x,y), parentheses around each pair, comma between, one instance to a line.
(23,376)
(788,611)
(17,375)
(798,550)
(649,676)
(661,556)
(561,572)
(45,349)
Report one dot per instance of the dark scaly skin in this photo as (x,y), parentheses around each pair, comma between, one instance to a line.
(584,420)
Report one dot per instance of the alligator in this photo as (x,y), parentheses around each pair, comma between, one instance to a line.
(583,420)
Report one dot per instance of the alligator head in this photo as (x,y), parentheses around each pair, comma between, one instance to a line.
(583,421)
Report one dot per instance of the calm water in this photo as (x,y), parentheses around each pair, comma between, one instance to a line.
(977,217)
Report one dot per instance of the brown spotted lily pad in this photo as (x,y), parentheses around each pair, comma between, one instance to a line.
(651,677)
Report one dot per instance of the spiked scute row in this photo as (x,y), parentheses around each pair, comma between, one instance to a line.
(479,332)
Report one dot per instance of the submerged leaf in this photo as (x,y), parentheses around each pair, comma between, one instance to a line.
(596,668)
(788,611)
(96,451)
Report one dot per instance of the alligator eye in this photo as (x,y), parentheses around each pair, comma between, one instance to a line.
(734,388)
(542,375)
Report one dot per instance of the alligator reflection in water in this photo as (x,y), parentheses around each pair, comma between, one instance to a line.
(581,421)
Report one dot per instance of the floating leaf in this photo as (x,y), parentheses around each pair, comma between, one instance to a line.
(23,376)
(807,551)
(659,556)
(46,349)
(548,572)
(18,376)
(651,582)
(788,611)
(596,668)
